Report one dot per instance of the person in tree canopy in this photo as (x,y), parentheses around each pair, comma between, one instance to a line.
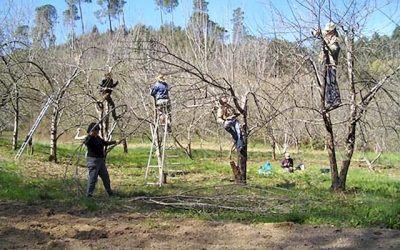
(160,93)
(331,45)
(328,57)
(227,116)
(106,87)
(96,158)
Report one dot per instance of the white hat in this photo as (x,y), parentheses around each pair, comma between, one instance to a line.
(287,155)
(160,77)
(330,26)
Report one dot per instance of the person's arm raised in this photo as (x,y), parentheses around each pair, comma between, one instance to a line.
(79,137)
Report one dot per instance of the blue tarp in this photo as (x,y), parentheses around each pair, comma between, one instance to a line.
(265,169)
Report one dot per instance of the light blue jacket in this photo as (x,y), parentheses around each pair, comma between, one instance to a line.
(160,90)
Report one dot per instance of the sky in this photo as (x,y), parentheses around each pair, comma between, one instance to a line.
(259,19)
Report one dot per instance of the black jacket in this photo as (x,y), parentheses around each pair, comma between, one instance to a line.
(95,146)
(106,85)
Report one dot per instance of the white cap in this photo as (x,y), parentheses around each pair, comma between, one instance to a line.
(330,26)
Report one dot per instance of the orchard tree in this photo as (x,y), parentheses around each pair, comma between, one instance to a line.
(358,88)
(243,80)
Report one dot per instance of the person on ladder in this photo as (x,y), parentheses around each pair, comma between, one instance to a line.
(329,59)
(106,87)
(227,116)
(160,93)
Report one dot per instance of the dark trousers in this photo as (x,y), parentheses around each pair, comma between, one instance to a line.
(332,94)
(233,127)
(97,167)
(110,101)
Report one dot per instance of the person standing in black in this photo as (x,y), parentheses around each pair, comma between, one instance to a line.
(95,158)
(106,87)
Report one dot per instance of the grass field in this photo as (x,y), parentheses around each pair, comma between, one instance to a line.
(205,189)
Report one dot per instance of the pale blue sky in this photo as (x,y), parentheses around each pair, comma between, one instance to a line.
(258,14)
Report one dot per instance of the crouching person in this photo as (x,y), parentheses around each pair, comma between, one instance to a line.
(287,163)
(95,158)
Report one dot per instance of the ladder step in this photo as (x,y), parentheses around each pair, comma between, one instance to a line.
(152,183)
(153,166)
(173,156)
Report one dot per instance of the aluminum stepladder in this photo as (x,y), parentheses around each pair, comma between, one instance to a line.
(34,127)
(159,131)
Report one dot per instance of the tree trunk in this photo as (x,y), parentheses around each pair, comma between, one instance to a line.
(16,118)
(350,142)
(242,155)
(161,16)
(125,146)
(329,137)
(330,145)
(273,145)
(123,22)
(81,16)
(340,184)
(242,160)
(272,139)
(109,15)
(53,131)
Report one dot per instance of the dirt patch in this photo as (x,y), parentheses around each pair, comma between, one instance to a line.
(35,227)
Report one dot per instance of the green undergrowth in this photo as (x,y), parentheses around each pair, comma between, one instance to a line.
(15,185)
(204,189)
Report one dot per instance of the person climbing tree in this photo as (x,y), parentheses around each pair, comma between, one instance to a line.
(106,87)
(160,93)
(96,158)
(227,116)
(329,59)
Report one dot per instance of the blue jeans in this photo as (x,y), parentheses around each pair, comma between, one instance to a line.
(97,167)
(233,128)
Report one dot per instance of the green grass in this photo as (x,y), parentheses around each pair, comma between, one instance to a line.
(371,199)
(15,186)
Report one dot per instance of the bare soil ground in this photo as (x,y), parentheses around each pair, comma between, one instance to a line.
(36,227)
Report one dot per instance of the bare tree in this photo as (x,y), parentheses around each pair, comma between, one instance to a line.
(357,97)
